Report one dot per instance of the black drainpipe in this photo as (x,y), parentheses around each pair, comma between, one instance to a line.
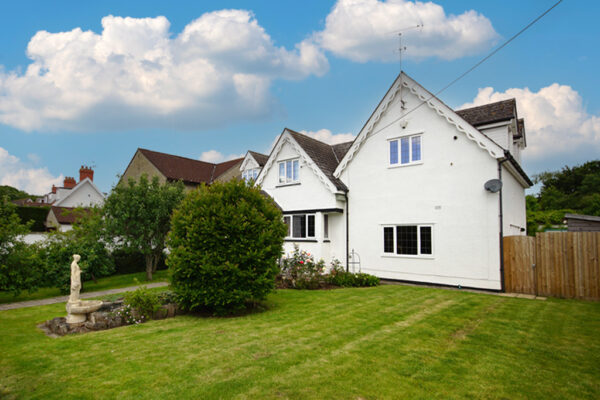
(347,233)
(502,289)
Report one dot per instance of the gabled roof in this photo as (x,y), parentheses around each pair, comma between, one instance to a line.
(260,158)
(323,155)
(403,81)
(68,215)
(77,187)
(489,113)
(187,169)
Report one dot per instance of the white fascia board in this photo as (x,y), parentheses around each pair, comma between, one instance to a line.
(77,187)
(404,81)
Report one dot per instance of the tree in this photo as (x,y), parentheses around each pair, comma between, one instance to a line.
(571,190)
(137,216)
(19,264)
(224,245)
(12,193)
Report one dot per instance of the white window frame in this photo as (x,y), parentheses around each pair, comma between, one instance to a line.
(250,174)
(288,180)
(394,254)
(290,234)
(398,139)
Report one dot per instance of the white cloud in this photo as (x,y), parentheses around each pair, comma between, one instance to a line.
(15,173)
(557,126)
(214,156)
(367,30)
(136,74)
(325,135)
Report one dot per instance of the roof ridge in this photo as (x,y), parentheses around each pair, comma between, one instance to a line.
(174,155)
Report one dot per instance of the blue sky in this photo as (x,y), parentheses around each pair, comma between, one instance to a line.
(214,79)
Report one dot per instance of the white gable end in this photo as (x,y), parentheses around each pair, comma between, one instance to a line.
(84,194)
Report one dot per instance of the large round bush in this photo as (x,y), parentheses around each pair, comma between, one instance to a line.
(224,243)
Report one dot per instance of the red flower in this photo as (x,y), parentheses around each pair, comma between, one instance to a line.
(301,262)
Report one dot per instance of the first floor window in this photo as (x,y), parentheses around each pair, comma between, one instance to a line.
(405,150)
(326,226)
(289,171)
(300,226)
(408,240)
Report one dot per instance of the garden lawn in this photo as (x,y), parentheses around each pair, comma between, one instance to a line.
(383,342)
(110,282)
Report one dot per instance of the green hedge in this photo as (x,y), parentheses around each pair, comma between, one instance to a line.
(36,214)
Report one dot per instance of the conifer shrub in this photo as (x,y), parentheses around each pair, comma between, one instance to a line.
(224,244)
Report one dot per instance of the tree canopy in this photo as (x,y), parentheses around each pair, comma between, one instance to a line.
(12,193)
(570,190)
(137,215)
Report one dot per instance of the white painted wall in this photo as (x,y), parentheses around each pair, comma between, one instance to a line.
(83,195)
(446,190)
(513,205)
(310,194)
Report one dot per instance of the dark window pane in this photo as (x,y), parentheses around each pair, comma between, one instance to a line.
(287,221)
(299,226)
(394,152)
(426,240)
(388,240)
(406,240)
(311,226)
(326,226)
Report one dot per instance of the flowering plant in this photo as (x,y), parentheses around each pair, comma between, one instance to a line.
(300,271)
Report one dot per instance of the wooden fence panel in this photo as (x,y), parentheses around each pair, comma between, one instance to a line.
(567,264)
(519,256)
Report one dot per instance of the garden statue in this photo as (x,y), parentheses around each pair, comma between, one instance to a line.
(77,309)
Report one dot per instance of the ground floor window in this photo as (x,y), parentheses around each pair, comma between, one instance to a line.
(408,239)
(300,226)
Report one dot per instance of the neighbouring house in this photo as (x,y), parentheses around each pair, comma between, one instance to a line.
(252,164)
(424,193)
(582,223)
(63,218)
(72,194)
(171,168)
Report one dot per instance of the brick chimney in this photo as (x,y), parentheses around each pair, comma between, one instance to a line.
(69,182)
(53,189)
(86,172)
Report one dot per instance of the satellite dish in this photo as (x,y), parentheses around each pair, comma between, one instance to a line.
(493,185)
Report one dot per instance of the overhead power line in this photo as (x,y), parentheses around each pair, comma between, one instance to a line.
(484,59)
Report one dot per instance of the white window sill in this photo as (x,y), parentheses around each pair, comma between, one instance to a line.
(423,257)
(405,165)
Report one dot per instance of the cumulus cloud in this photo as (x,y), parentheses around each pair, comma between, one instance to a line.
(16,173)
(214,156)
(557,124)
(325,135)
(136,74)
(367,30)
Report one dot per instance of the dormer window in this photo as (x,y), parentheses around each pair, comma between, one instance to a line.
(289,171)
(405,150)
(250,174)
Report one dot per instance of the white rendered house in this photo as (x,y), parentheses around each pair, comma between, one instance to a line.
(406,199)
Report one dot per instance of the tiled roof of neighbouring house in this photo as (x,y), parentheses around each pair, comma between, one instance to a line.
(489,113)
(261,159)
(68,215)
(327,157)
(187,169)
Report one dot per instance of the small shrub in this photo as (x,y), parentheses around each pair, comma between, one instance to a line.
(339,277)
(144,301)
(300,271)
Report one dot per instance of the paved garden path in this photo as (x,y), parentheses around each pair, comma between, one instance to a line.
(62,299)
